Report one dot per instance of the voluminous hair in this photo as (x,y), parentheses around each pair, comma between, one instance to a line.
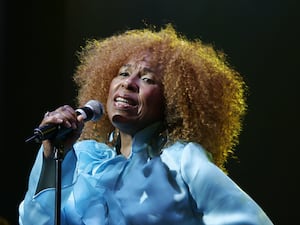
(204,96)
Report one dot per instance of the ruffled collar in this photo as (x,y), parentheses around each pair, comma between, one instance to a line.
(150,139)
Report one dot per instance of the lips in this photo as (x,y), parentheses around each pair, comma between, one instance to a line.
(125,102)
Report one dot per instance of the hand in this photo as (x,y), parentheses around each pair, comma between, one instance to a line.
(64,116)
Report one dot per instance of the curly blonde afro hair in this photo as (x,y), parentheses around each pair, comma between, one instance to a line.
(204,96)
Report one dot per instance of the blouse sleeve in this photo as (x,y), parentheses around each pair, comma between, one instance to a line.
(218,198)
(80,170)
(38,208)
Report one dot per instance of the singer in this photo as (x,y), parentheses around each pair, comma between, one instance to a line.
(173,114)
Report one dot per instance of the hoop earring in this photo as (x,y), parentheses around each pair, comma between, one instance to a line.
(115,140)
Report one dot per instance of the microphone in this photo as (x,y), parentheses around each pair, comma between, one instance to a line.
(92,110)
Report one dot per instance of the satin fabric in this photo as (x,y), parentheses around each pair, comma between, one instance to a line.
(180,185)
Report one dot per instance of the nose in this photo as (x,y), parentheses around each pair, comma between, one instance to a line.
(131,84)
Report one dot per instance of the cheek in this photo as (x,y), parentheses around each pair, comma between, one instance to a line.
(110,99)
(111,91)
(156,101)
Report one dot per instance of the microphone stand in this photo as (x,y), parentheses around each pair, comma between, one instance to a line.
(58,157)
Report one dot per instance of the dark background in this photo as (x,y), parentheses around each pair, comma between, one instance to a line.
(39,39)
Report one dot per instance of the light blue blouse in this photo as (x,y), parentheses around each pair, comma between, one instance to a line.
(178,186)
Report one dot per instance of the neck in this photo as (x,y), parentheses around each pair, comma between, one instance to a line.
(152,135)
(126,143)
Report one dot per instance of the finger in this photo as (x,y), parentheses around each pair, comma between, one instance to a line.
(69,116)
(51,117)
(64,115)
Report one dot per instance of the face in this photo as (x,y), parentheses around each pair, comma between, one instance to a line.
(135,97)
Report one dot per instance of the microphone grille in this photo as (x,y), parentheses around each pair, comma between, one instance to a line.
(97,108)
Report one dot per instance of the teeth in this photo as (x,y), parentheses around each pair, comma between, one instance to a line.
(119,99)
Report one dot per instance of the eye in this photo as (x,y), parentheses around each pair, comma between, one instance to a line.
(124,74)
(148,80)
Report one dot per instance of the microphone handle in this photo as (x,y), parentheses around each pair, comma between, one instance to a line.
(48,132)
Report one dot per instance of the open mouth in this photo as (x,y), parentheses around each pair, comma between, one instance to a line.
(125,102)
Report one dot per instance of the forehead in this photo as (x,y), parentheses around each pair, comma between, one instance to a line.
(144,57)
(144,61)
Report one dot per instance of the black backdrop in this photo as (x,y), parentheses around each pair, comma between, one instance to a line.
(39,39)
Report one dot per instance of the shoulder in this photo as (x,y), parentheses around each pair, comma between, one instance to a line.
(181,153)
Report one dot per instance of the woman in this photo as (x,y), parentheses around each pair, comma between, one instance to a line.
(174,109)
